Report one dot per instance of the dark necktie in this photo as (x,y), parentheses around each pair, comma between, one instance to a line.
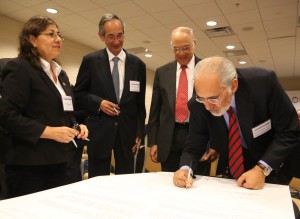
(181,109)
(115,76)
(236,159)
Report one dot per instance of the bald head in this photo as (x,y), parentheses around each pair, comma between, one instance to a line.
(183,44)
(222,68)
(180,32)
(215,79)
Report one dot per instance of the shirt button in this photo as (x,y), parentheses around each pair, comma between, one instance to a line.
(116,123)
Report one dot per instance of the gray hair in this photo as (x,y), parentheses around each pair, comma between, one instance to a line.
(186,30)
(219,65)
(108,17)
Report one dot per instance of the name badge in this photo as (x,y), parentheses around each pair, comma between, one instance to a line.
(67,103)
(262,128)
(134,86)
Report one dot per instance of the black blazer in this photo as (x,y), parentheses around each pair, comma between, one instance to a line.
(31,102)
(162,110)
(259,98)
(94,83)
(5,138)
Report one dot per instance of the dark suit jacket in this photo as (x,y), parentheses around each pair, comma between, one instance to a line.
(162,111)
(94,84)
(30,103)
(5,138)
(259,98)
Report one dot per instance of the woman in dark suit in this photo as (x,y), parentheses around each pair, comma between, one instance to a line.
(36,108)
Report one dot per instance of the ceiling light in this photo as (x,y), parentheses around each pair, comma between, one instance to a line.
(211,23)
(148,53)
(230,47)
(242,62)
(52,10)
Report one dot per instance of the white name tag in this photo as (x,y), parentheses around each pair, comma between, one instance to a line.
(67,103)
(261,129)
(134,86)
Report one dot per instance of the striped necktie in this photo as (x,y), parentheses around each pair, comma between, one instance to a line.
(236,159)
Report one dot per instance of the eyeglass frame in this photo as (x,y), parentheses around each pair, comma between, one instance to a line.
(211,100)
(183,49)
(119,36)
(53,35)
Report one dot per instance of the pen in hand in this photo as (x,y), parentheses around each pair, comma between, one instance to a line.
(74,142)
(77,127)
(118,112)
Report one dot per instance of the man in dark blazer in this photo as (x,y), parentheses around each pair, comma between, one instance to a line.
(267,122)
(116,117)
(166,135)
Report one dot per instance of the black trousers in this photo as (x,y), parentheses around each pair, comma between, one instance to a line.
(178,143)
(100,167)
(23,180)
(172,163)
(73,171)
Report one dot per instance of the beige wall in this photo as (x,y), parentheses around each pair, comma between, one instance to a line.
(70,58)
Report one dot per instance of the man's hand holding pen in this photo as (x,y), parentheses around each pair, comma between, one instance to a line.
(181,178)
(110,108)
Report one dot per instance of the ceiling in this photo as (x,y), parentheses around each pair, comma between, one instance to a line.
(265,33)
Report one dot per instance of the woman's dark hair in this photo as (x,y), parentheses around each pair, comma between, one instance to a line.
(34,26)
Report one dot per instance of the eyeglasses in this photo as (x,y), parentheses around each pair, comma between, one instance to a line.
(54,35)
(212,100)
(112,37)
(183,49)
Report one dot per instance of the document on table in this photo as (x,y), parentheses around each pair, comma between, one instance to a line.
(151,195)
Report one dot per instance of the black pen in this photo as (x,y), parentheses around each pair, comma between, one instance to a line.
(77,127)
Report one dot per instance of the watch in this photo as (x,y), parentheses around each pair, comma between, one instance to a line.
(266,170)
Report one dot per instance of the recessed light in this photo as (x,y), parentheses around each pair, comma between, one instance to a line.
(52,10)
(242,62)
(148,55)
(230,47)
(211,23)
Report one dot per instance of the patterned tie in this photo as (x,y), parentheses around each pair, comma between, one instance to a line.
(181,109)
(236,159)
(115,76)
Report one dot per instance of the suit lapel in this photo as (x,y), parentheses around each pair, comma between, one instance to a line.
(128,74)
(171,71)
(245,111)
(103,68)
(50,84)
(196,61)
(64,81)
(217,131)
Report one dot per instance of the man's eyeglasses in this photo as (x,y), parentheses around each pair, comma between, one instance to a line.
(183,49)
(212,100)
(112,37)
(54,35)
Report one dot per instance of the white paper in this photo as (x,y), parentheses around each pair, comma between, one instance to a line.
(151,195)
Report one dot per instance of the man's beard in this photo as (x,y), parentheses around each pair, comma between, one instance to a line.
(220,111)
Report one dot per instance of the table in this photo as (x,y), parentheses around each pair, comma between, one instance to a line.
(151,195)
